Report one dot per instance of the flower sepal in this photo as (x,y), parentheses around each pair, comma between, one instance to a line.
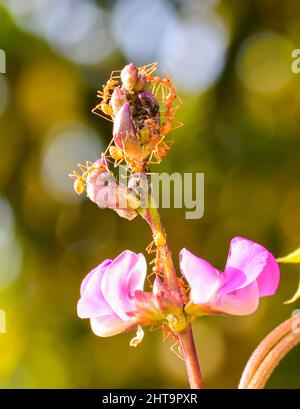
(146,311)
(198,310)
(168,302)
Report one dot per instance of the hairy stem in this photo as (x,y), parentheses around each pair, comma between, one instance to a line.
(272,360)
(268,354)
(191,358)
(151,215)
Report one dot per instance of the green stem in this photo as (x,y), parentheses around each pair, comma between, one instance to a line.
(151,215)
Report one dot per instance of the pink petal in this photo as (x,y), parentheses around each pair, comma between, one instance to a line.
(103,190)
(123,126)
(269,278)
(202,277)
(109,325)
(127,214)
(245,262)
(240,302)
(123,277)
(92,303)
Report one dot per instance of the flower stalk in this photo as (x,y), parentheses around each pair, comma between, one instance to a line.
(142,108)
(152,217)
(191,359)
(186,338)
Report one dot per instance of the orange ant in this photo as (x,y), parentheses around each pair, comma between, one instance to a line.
(160,151)
(167,334)
(105,96)
(184,289)
(80,179)
(118,155)
(168,96)
(159,242)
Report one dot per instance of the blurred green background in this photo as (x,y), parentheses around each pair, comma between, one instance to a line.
(231,61)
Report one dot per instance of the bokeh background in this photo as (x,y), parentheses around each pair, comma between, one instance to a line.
(231,61)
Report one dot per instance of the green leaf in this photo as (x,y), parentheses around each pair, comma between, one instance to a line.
(293,257)
(295,296)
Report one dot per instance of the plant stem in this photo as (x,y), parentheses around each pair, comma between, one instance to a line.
(191,358)
(273,358)
(268,354)
(151,215)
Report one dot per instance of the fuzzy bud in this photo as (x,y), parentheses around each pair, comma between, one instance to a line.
(103,189)
(129,76)
(141,83)
(124,134)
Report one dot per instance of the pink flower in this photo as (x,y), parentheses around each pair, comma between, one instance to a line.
(251,272)
(108,294)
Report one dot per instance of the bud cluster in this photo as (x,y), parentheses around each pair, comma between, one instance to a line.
(136,129)
(142,109)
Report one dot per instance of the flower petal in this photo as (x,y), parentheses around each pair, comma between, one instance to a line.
(269,278)
(109,325)
(92,303)
(240,302)
(245,262)
(123,277)
(202,277)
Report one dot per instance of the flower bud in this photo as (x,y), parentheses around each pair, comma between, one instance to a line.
(137,126)
(138,184)
(118,99)
(149,102)
(123,126)
(124,134)
(104,190)
(141,83)
(129,76)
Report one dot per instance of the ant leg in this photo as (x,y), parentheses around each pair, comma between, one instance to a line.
(153,328)
(102,116)
(166,333)
(179,352)
(115,74)
(109,145)
(179,125)
(150,248)
(149,68)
